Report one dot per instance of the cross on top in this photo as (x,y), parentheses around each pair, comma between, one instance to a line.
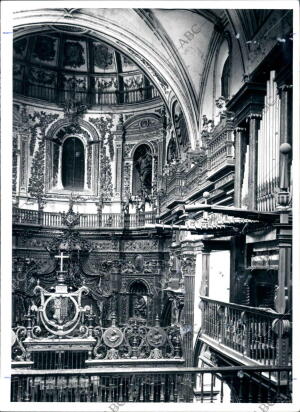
(61,257)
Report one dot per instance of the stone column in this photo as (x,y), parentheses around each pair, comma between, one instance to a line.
(239,164)
(254,120)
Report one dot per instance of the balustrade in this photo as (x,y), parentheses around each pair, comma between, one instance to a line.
(25,216)
(103,220)
(243,384)
(249,331)
(220,150)
(51,219)
(95,97)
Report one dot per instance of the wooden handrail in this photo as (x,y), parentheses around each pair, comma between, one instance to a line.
(258,311)
(156,370)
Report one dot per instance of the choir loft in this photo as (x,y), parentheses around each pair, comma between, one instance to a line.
(152,205)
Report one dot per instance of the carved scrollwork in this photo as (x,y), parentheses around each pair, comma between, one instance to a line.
(19,352)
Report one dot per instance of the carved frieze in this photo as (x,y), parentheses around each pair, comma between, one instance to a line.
(106,245)
(141,245)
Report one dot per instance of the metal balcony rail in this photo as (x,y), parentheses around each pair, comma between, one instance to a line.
(94,97)
(103,220)
(255,333)
(223,384)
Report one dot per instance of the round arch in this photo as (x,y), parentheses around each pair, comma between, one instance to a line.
(91,135)
(56,135)
(168,81)
(149,290)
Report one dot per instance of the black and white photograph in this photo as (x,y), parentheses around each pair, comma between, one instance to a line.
(150,206)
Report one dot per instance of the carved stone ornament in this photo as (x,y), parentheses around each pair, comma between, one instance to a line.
(156,337)
(113,337)
(70,218)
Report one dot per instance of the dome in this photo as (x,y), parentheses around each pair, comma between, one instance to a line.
(56,65)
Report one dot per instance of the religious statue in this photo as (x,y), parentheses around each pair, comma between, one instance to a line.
(180,126)
(175,312)
(140,307)
(144,168)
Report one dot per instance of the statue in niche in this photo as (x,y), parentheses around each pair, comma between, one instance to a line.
(172,150)
(143,168)
(175,312)
(180,126)
(140,306)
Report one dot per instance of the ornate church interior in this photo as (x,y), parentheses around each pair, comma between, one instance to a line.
(152,206)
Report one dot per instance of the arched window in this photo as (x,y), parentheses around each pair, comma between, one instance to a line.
(73,164)
(225,79)
(142,170)
(138,299)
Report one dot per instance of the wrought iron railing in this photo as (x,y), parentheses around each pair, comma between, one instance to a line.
(225,384)
(95,97)
(135,340)
(255,333)
(102,220)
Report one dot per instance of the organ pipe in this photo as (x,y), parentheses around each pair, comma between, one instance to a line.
(268,149)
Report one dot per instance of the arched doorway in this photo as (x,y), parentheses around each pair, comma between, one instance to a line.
(73,164)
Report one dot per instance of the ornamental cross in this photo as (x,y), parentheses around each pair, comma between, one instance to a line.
(61,257)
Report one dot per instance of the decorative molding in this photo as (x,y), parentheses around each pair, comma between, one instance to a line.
(104,127)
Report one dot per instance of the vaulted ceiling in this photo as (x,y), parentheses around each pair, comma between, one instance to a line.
(172,46)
